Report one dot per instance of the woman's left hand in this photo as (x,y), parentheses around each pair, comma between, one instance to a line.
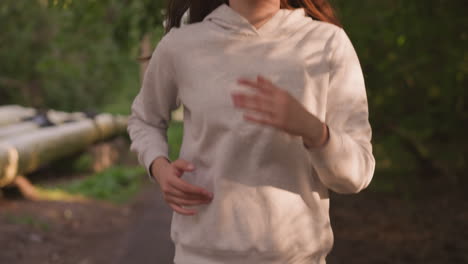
(278,108)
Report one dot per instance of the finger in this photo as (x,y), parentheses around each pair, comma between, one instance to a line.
(172,191)
(181,210)
(266,82)
(183,165)
(188,188)
(261,88)
(254,102)
(181,201)
(260,120)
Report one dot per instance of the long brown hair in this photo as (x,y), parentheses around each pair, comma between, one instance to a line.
(199,9)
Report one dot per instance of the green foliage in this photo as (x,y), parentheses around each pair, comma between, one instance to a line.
(83,163)
(73,55)
(175,134)
(415,61)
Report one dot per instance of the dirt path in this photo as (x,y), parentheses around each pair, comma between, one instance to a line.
(369,228)
(148,240)
(86,233)
(59,232)
(379,228)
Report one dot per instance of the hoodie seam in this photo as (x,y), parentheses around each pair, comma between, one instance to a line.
(213,25)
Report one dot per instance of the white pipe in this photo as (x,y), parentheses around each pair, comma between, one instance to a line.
(10,114)
(42,146)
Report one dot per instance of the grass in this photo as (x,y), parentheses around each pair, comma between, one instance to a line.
(116,184)
(28,220)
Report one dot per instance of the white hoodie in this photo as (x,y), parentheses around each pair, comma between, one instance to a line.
(271,197)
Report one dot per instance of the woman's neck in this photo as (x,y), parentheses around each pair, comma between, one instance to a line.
(257,12)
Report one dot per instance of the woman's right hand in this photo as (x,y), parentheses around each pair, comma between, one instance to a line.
(176,191)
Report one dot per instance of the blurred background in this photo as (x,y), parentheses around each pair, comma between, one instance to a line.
(91,202)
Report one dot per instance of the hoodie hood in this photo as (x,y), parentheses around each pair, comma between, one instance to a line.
(283,21)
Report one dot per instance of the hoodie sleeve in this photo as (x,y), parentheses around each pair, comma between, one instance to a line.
(152,107)
(346,163)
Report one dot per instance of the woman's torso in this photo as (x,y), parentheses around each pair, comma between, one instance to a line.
(268,201)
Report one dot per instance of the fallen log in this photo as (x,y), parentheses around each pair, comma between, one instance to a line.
(10,114)
(27,152)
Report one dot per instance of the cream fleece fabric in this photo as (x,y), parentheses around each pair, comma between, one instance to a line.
(271,197)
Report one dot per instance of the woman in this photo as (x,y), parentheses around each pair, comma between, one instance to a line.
(275,115)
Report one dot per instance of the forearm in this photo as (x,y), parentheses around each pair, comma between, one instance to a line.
(315,133)
(158,163)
